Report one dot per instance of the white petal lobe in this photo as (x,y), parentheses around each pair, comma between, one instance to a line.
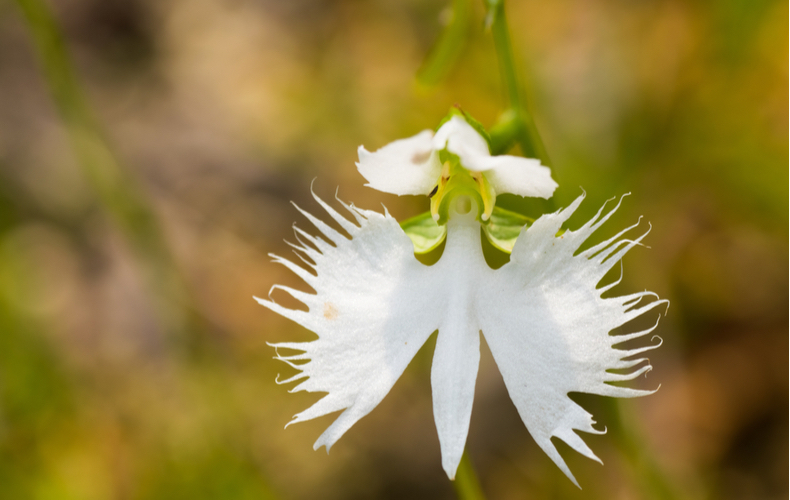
(457,355)
(405,166)
(461,139)
(507,174)
(548,329)
(521,176)
(369,312)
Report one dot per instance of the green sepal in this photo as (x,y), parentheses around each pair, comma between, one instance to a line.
(424,232)
(503,228)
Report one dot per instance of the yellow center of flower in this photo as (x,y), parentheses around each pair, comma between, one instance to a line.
(457,181)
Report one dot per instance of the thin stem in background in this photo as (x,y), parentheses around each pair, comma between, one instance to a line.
(114,186)
(466,484)
(450,45)
(528,136)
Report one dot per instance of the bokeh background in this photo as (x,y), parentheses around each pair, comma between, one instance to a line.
(144,180)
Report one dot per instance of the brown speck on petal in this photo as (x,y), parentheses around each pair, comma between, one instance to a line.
(329,311)
(421,157)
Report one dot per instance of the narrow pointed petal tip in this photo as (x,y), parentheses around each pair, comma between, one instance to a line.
(453,376)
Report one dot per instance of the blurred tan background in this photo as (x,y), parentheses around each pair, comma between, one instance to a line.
(133,360)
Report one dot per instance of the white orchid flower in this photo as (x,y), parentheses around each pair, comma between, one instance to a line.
(414,166)
(375,305)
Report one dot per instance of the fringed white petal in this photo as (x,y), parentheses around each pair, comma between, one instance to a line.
(374,307)
(548,328)
(369,311)
(405,166)
(542,315)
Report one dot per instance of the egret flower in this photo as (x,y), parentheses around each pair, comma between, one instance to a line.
(374,304)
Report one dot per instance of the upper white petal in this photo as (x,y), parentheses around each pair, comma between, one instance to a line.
(507,174)
(405,166)
(548,328)
(461,139)
(521,176)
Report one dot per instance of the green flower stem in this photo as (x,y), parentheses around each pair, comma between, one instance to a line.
(466,483)
(114,186)
(449,46)
(527,137)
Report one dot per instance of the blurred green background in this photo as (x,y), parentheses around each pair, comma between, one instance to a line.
(143,184)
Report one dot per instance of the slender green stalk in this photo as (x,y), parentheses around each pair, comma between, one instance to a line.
(114,186)
(528,137)
(449,46)
(466,484)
